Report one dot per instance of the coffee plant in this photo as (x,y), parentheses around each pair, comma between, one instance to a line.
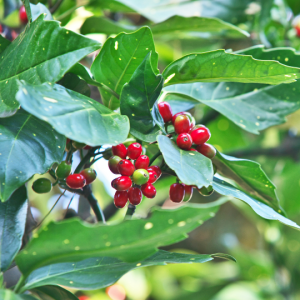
(146,128)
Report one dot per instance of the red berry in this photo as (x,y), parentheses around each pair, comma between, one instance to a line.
(176,192)
(188,192)
(120,199)
(142,162)
(119,150)
(75,181)
(23,15)
(200,134)
(87,147)
(156,169)
(184,141)
(165,111)
(122,183)
(135,195)
(192,149)
(113,164)
(125,167)
(152,176)
(148,190)
(297,28)
(134,150)
(182,124)
(207,150)
(89,174)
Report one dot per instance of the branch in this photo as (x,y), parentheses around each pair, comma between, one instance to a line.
(130,210)
(56,6)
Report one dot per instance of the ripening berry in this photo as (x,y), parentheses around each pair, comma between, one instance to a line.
(119,150)
(206,191)
(63,170)
(156,169)
(176,192)
(89,174)
(134,150)
(207,150)
(135,195)
(126,167)
(188,192)
(122,183)
(140,176)
(182,124)
(182,113)
(166,111)
(142,162)
(152,176)
(120,199)
(113,164)
(148,190)
(200,134)
(42,185)
(23,15)
(184,141)
(75,181)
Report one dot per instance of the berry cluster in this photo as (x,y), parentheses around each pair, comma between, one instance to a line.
(136,178)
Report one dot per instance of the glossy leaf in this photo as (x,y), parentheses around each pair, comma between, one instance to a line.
(73,82)
(130,241)
(260,208)
(38,9)
(218,65)
(41,53)
(99,272)
(138,98)
(78,117)
(12,225)
(4,43)
(54,292)
(191,167)
(248,175)
(119,58)
(10,295)
(28,146)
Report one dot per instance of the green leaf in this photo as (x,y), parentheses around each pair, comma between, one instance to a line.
(138,98)
(44,52)
(29,146)
(4,43)
(218,65)
(54,292)
(10,295)
(191,167)
(38,9)
(69,240)
(78,117)
(119,58)
(99,272)
(260,208)
(12,225)
(248,175)
(73,82)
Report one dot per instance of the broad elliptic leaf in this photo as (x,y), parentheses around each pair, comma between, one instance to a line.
(218,65)
(28,146)
(53,292)
(119,58)
(138,97)
(4,43)
(12,225)
(130,240)
(38,9)
(191,167)
(10,295)
(250,176)
(99,272)
(74,115)
(263,210)
(43,52)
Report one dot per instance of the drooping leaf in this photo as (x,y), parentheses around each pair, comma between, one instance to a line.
(218,65)
(119,58)
(263,210)
(38,9)
(10,295)
(130,241)
(76,116)
(137,101)
(4,43)
(28,146)
(99,272)
(249,175)
(42,53)
(54,292)
(191,167)
(73,82)
(12,225)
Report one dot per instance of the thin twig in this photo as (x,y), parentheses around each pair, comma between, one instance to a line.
(68,206)
(154,157)
(56,6)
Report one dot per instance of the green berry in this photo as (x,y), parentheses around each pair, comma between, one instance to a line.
(63,170)
(78,145)
(140,176)
(42,185)
(89,174)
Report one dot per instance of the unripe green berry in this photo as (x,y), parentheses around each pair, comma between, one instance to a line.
(42,185)
(63,170)
(89,174)
(140,176)
(78,145)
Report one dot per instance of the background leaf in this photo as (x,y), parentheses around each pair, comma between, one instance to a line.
(36,58)
(138,98)
(12,225)
(4,43)
(78,117)
(119,58)
(28,146)
(191,167)
(10,295)
(73,82)
(54,292)
(131,240)
(38,9)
